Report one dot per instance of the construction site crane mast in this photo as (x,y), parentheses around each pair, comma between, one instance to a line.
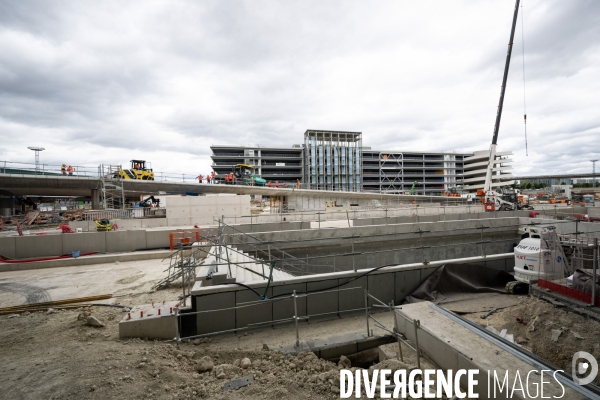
(488,193)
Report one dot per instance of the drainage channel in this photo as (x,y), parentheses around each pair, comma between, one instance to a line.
(591,392)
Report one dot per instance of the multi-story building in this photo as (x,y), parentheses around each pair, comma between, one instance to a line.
(475,168)
(336,160)
(277,164)
(397,172)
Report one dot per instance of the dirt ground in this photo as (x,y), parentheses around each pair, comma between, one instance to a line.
(58,356)
(534,333)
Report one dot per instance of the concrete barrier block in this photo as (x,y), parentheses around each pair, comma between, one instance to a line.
(8,246)
(84,242)
(119,241)
(254,314)
(215,321)
(157,239)
(38,246)
(285,308)
(152,328)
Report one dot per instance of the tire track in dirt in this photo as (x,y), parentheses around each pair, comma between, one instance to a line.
(32,294)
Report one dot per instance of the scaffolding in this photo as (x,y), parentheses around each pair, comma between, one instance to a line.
(113,196)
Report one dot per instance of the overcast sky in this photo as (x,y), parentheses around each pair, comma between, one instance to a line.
(105,82)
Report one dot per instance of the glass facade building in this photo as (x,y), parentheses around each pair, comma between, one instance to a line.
(332,160)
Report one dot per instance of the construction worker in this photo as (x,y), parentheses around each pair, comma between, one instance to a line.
(277,184)
(63,169)
(208,179)
(199,177)
(269,184)
(70,170)
(227,179)
(212,177)
(297,183)
(136,166)
(285,185)
(251,180)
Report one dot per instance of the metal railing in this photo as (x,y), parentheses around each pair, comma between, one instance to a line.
(127,213)
(294,318)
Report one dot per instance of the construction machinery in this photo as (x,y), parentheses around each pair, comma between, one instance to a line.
(148,202)
(139,170)
(412,189)
(104,225)
(492,199)
(243,173)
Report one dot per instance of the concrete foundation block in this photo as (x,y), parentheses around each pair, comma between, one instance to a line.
(152,327)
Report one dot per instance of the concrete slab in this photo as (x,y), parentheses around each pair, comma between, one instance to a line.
(21,287)
(453,346)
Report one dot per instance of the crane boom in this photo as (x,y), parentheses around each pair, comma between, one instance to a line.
(506,66)
(487,188)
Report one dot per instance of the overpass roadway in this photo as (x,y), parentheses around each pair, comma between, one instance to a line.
(80,186)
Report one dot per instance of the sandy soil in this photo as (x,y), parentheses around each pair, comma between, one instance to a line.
(539,318)
(58,356)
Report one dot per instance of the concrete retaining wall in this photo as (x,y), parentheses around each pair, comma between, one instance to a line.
(392,283)
(392,244)
(205,210)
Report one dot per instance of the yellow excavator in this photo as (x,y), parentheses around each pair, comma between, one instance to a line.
(138,170)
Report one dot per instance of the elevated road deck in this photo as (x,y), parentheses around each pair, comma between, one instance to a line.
(44,185)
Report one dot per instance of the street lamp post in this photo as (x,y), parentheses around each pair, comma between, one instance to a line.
(594,171)
(37,157)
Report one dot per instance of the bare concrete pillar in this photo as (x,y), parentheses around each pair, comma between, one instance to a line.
(95,199)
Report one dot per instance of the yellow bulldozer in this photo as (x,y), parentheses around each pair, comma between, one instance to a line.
(138,170)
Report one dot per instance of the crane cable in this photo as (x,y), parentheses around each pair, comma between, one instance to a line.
(524,102)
